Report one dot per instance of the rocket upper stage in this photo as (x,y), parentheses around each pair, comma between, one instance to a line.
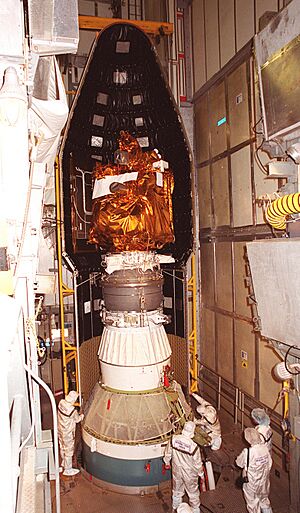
(123,89)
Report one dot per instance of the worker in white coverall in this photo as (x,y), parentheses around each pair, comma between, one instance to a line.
(256,490)
(209,421)
(67,418)
(186,467)
(262,419)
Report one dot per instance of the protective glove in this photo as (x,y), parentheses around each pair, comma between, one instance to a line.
(201,473)
(81,417)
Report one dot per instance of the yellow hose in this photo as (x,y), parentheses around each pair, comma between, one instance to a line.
(281,208)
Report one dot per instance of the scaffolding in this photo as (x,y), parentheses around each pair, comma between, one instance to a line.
(69,351)
(192,296)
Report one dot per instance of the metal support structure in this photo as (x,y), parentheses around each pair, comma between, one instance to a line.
(150,27)
(294,447)
(192,291)
(69,352)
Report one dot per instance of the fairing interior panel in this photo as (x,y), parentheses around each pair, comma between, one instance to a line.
(122,88)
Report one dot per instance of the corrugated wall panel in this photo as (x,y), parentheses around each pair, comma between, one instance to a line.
(204,192)
(224,276)
(217,119)
(238,105)
(269,388)
(244,356)
(220,186)
(207,273)
(244,22)
(199,51)
(227,30)
(207,338)
(211,37)
(225,346)
(241,187)
(202,129)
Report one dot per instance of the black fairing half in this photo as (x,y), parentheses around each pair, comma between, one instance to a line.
(122,88)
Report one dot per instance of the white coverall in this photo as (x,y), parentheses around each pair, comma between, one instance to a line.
(209,421)
(186,467)
(184,508)
(256,491)
(266,436)
(67,418)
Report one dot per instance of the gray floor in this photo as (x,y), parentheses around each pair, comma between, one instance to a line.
(79,495)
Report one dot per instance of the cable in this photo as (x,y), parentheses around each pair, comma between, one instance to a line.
(258,160)
(253,127)
(285,361)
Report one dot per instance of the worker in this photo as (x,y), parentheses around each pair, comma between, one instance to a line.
(262,419)
(186,467)
(67,418)
(209,421)
(256,463)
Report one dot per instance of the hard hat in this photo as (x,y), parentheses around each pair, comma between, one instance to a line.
(260,416)
(184,508)
(189,429)
(208,412)
(72,397)
(252,436)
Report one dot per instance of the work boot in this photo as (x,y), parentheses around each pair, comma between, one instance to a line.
(266,510)
(71,471)
(68,469)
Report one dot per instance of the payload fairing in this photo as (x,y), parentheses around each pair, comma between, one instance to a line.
(132,411)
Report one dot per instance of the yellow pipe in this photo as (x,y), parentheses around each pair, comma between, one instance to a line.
(279,209)
(285,387)
(60,278)
(192,285)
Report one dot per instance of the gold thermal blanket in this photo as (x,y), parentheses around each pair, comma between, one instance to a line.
(135,215)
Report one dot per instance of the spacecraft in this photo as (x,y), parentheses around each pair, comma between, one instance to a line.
(127,214)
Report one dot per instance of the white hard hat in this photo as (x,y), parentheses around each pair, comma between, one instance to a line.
(184,508)
(208,412)
(252,436)
(189,429)
(72,397)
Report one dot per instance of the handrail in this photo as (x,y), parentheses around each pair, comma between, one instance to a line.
(15,429)
(55,436)
(237,399)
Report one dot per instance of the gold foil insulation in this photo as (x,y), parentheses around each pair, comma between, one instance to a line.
(135,215)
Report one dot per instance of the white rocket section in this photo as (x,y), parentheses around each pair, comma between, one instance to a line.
(133,378)
(139,355)
(135,346)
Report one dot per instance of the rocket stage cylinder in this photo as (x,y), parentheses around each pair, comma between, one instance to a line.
(131,290)
(128,420)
